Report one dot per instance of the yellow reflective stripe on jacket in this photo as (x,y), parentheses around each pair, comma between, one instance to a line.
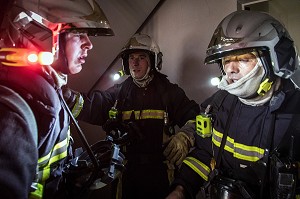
(199,167)
(59,151)
(38,193)
(240,151)
(144,114)
(78,106)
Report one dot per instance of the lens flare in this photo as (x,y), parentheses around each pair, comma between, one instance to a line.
(32,58)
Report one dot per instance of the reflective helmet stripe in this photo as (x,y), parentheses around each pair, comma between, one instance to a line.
(143,114)
(197,166)
(240,151)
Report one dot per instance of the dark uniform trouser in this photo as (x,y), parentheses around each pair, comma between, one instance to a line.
(145,180)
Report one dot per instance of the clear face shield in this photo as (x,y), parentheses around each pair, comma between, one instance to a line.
(37,34)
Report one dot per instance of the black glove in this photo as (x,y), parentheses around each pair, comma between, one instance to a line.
(122,133)
(135,134)
(116,130)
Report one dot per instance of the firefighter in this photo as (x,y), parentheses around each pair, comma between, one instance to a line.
(35,139)
(249,147)
(151,106)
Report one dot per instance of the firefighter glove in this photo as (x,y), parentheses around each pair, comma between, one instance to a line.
(178,147)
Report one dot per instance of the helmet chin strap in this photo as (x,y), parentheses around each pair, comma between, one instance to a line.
(264,87)
(59,78)
(269,77)
(144,81)
(145,76)
(61,63)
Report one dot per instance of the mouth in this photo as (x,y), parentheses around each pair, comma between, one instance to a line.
(232,80)
(136,70)
(82,59)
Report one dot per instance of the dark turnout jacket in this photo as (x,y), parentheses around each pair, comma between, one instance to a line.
(145,107)
(252,130)
(19,154)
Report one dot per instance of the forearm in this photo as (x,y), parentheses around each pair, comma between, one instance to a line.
(95,108)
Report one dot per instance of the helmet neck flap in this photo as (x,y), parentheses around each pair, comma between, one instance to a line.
(252,31)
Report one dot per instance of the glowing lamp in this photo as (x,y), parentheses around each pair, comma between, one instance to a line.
(215,81)
(33,58)
(118,75)
(45,58)
(24,57)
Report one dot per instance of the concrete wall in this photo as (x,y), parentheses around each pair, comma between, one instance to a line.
(183,29)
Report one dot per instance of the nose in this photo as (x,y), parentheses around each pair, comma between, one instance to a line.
(87,44)
(232,67)
(136,61)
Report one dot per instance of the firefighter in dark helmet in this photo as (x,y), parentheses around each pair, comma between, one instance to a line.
(249,145)
(150,106)
(34,138)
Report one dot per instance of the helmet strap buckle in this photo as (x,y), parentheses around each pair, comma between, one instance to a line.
(264,87)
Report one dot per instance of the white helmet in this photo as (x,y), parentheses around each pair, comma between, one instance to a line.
(42,22)
(142,42)
(255,31)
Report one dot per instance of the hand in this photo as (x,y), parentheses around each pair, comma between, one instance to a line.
(178,193)
(121,132)
(178,147)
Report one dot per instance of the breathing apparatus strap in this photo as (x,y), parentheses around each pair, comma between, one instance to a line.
(215,164)
(262,166)
(293,130)
(216,102)
(224,138)
(284,163)
(80,132)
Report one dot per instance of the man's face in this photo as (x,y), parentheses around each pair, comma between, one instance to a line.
(138,64)
(238,66)
(77,45)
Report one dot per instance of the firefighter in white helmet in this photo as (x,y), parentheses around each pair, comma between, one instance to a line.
(250,145)
(34,138)
(150,106)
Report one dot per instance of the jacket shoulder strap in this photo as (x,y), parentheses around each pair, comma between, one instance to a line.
(290,145)
(218,99)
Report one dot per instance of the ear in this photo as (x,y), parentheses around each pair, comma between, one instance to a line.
(159,61)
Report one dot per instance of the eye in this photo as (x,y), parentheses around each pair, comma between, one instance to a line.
(80,35)
(244,60)
(226,61)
